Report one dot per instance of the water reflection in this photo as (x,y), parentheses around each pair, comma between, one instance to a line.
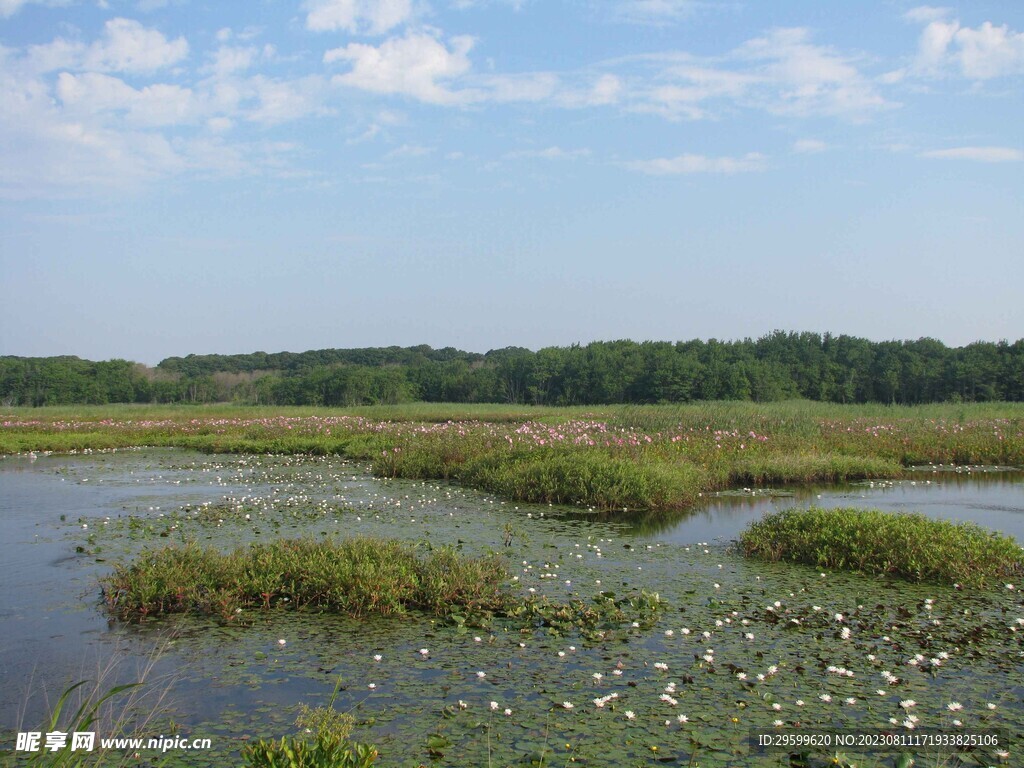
(993,499)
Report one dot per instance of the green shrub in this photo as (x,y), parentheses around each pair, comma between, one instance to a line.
(323,751)
(911,546)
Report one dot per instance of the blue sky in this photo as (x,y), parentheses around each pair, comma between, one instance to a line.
(226,177)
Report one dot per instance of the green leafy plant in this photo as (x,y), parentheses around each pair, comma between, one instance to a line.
(910,546)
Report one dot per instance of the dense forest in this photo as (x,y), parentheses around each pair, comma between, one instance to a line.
(841,369)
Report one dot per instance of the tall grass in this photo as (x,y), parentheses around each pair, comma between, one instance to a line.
(910,546)
(356,577)
(107,708)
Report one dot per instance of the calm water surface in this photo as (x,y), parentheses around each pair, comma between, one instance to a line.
(63,522)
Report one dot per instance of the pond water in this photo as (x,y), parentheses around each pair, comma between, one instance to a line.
(65,520)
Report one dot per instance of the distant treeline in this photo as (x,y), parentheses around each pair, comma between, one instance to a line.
(779,366)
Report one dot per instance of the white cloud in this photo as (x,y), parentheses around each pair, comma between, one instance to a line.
(281,101)
(92,93)
(71,122)
(417,65)
(990,51)
(687,164)
(809,146)
(230,59)
(220,124)
(978,154)
(980,53)
(529,86)
(374,17)
(606,90)
(126,46)
(691,85)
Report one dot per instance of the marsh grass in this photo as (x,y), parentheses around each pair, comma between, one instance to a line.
(605,457)
(791,468)
(356,577)
(910,546)
(593,479)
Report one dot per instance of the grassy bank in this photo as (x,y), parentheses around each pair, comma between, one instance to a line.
(910,546)
(607,457)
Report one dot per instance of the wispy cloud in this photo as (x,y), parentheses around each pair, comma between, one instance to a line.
(809,146)
(783,72)
(978,154)
(689,164)
(654,11)
(409,150)
(550,153)
(10,7)
(925,14)
(799,77)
